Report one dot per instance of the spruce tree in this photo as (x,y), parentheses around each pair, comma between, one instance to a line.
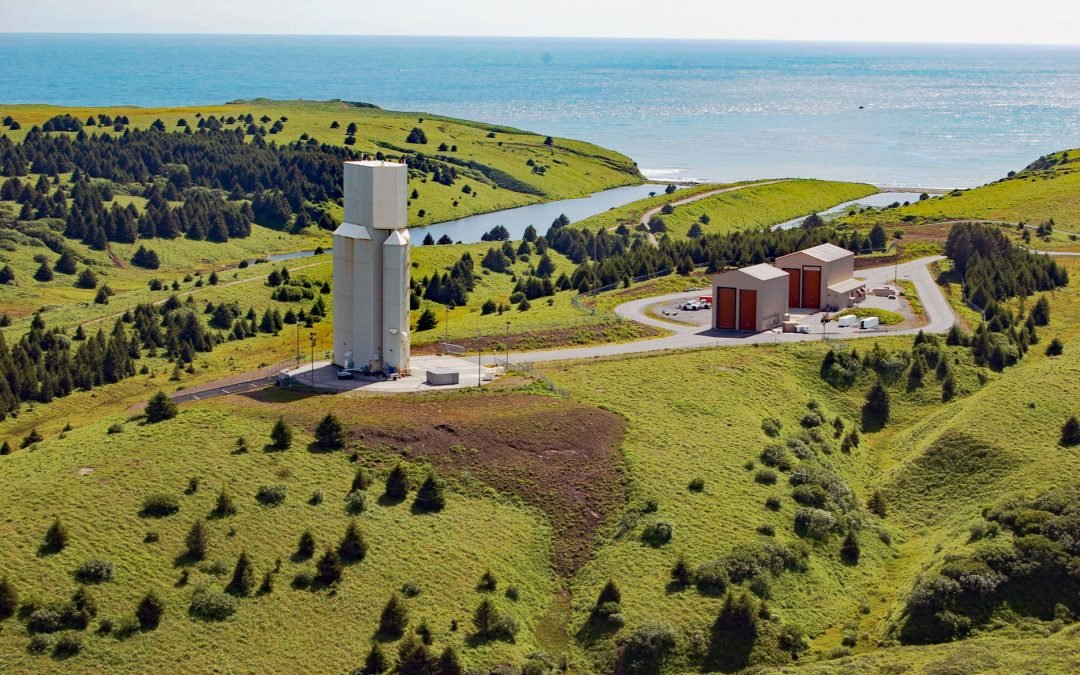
(243,578)
(160,408)
(305,548)
(397,484)
(44,272)
(849,550)
(681,572)
(352,547)
(394,618)
(197,540)
(328,569)
(427,320)
(281,435)
(1070,432)
(414,658)
(149,611)
(486,618)
(430,495)
(330,433)
(450,663)
(876,408)
(375,663)
(66,264)
(361,480)
(876,504)
(224,506)
(7,275)
(9,598)
(5,449)
(56,537)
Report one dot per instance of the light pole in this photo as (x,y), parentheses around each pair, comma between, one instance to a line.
(479,352)
(298,343)
(312,336)
(507,346)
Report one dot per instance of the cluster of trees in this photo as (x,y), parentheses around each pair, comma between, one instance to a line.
(993,269)
(1035,572)
(449,288)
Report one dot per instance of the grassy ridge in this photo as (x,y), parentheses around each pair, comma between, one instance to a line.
(744,208)
(574,168)
(444,553)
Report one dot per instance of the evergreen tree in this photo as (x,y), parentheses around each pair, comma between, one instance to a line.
(149,611)
(44,272)
(197,540)
(681,572)
(394,618)
(243,578)
(352,547)
(414,658)
(7,275)
(849,550)
(305,548)
(486,618)
(9,598)
(427,320)
(876,504)
(56,537)
(430,495)
(397,484)
(160,408)
(5,449)
(224,506)
(361,480)
(876,408)
(330,433)
(67,262)
(450,663)
(1070,432)
(281,435)
(376,662)
(428,239)
(328,569)
(609,593)
(86,279)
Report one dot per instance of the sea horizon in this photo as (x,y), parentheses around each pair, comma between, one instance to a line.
(934,115)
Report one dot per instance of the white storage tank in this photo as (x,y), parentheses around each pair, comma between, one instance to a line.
(847,321)
(869,322)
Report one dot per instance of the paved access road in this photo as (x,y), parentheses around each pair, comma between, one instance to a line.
(939,315)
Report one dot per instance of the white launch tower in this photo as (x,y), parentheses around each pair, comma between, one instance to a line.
(371,269)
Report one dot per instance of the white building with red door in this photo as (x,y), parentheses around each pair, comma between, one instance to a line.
(821,276)
(750,299)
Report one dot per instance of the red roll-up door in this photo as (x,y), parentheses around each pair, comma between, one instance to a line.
(794,282)
(747,309)
(725,308)
(811,287)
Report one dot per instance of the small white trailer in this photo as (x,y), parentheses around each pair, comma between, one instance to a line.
(869,322)
(847,321)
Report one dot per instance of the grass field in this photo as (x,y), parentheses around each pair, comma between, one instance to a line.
(747,207)
(1035,195)
(697,415)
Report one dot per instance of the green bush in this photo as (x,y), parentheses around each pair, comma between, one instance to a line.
(9,598)
(95,571)
(765,477)
(160,505)
(67,645)
(149,611)
(696,485)
(355,502)
(647,646)
(771,426)
(270,495)
(210,605)
(160,408)
(658,533)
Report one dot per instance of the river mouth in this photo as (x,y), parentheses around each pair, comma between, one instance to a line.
(876,200)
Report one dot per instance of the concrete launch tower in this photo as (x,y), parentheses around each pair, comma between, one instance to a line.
(371,269)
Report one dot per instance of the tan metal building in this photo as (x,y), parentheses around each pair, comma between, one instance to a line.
(750,299)
(821,276)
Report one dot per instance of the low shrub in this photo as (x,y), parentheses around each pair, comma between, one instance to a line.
(356,502)
(211,605)
(771,426)
(95,571)
(697,485)
(39,644)
(647,646)
(765,477)
(160,505)
(270,495)
(658,533)
(67,645)
(772,503)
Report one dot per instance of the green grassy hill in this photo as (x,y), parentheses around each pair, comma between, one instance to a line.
(570,168)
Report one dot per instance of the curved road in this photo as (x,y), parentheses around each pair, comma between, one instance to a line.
(939,315)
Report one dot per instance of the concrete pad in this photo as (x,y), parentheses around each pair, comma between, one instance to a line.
(324,376)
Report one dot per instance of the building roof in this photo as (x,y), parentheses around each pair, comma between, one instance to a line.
(351,231)
(847,285)
(762,271)
(826,252)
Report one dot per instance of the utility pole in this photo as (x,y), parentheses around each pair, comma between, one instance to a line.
(312,336)
(297,343)
(479,352)
(508,346)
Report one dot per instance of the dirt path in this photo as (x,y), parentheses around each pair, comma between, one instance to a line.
(645,217)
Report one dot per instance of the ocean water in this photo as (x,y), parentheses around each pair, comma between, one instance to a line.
(914,115)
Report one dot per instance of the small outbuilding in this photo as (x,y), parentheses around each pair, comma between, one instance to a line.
(750,299)
(820,276)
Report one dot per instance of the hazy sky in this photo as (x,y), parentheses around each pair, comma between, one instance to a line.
(995,21)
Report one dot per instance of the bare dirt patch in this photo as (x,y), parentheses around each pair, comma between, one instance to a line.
(571,336)
(557,455)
